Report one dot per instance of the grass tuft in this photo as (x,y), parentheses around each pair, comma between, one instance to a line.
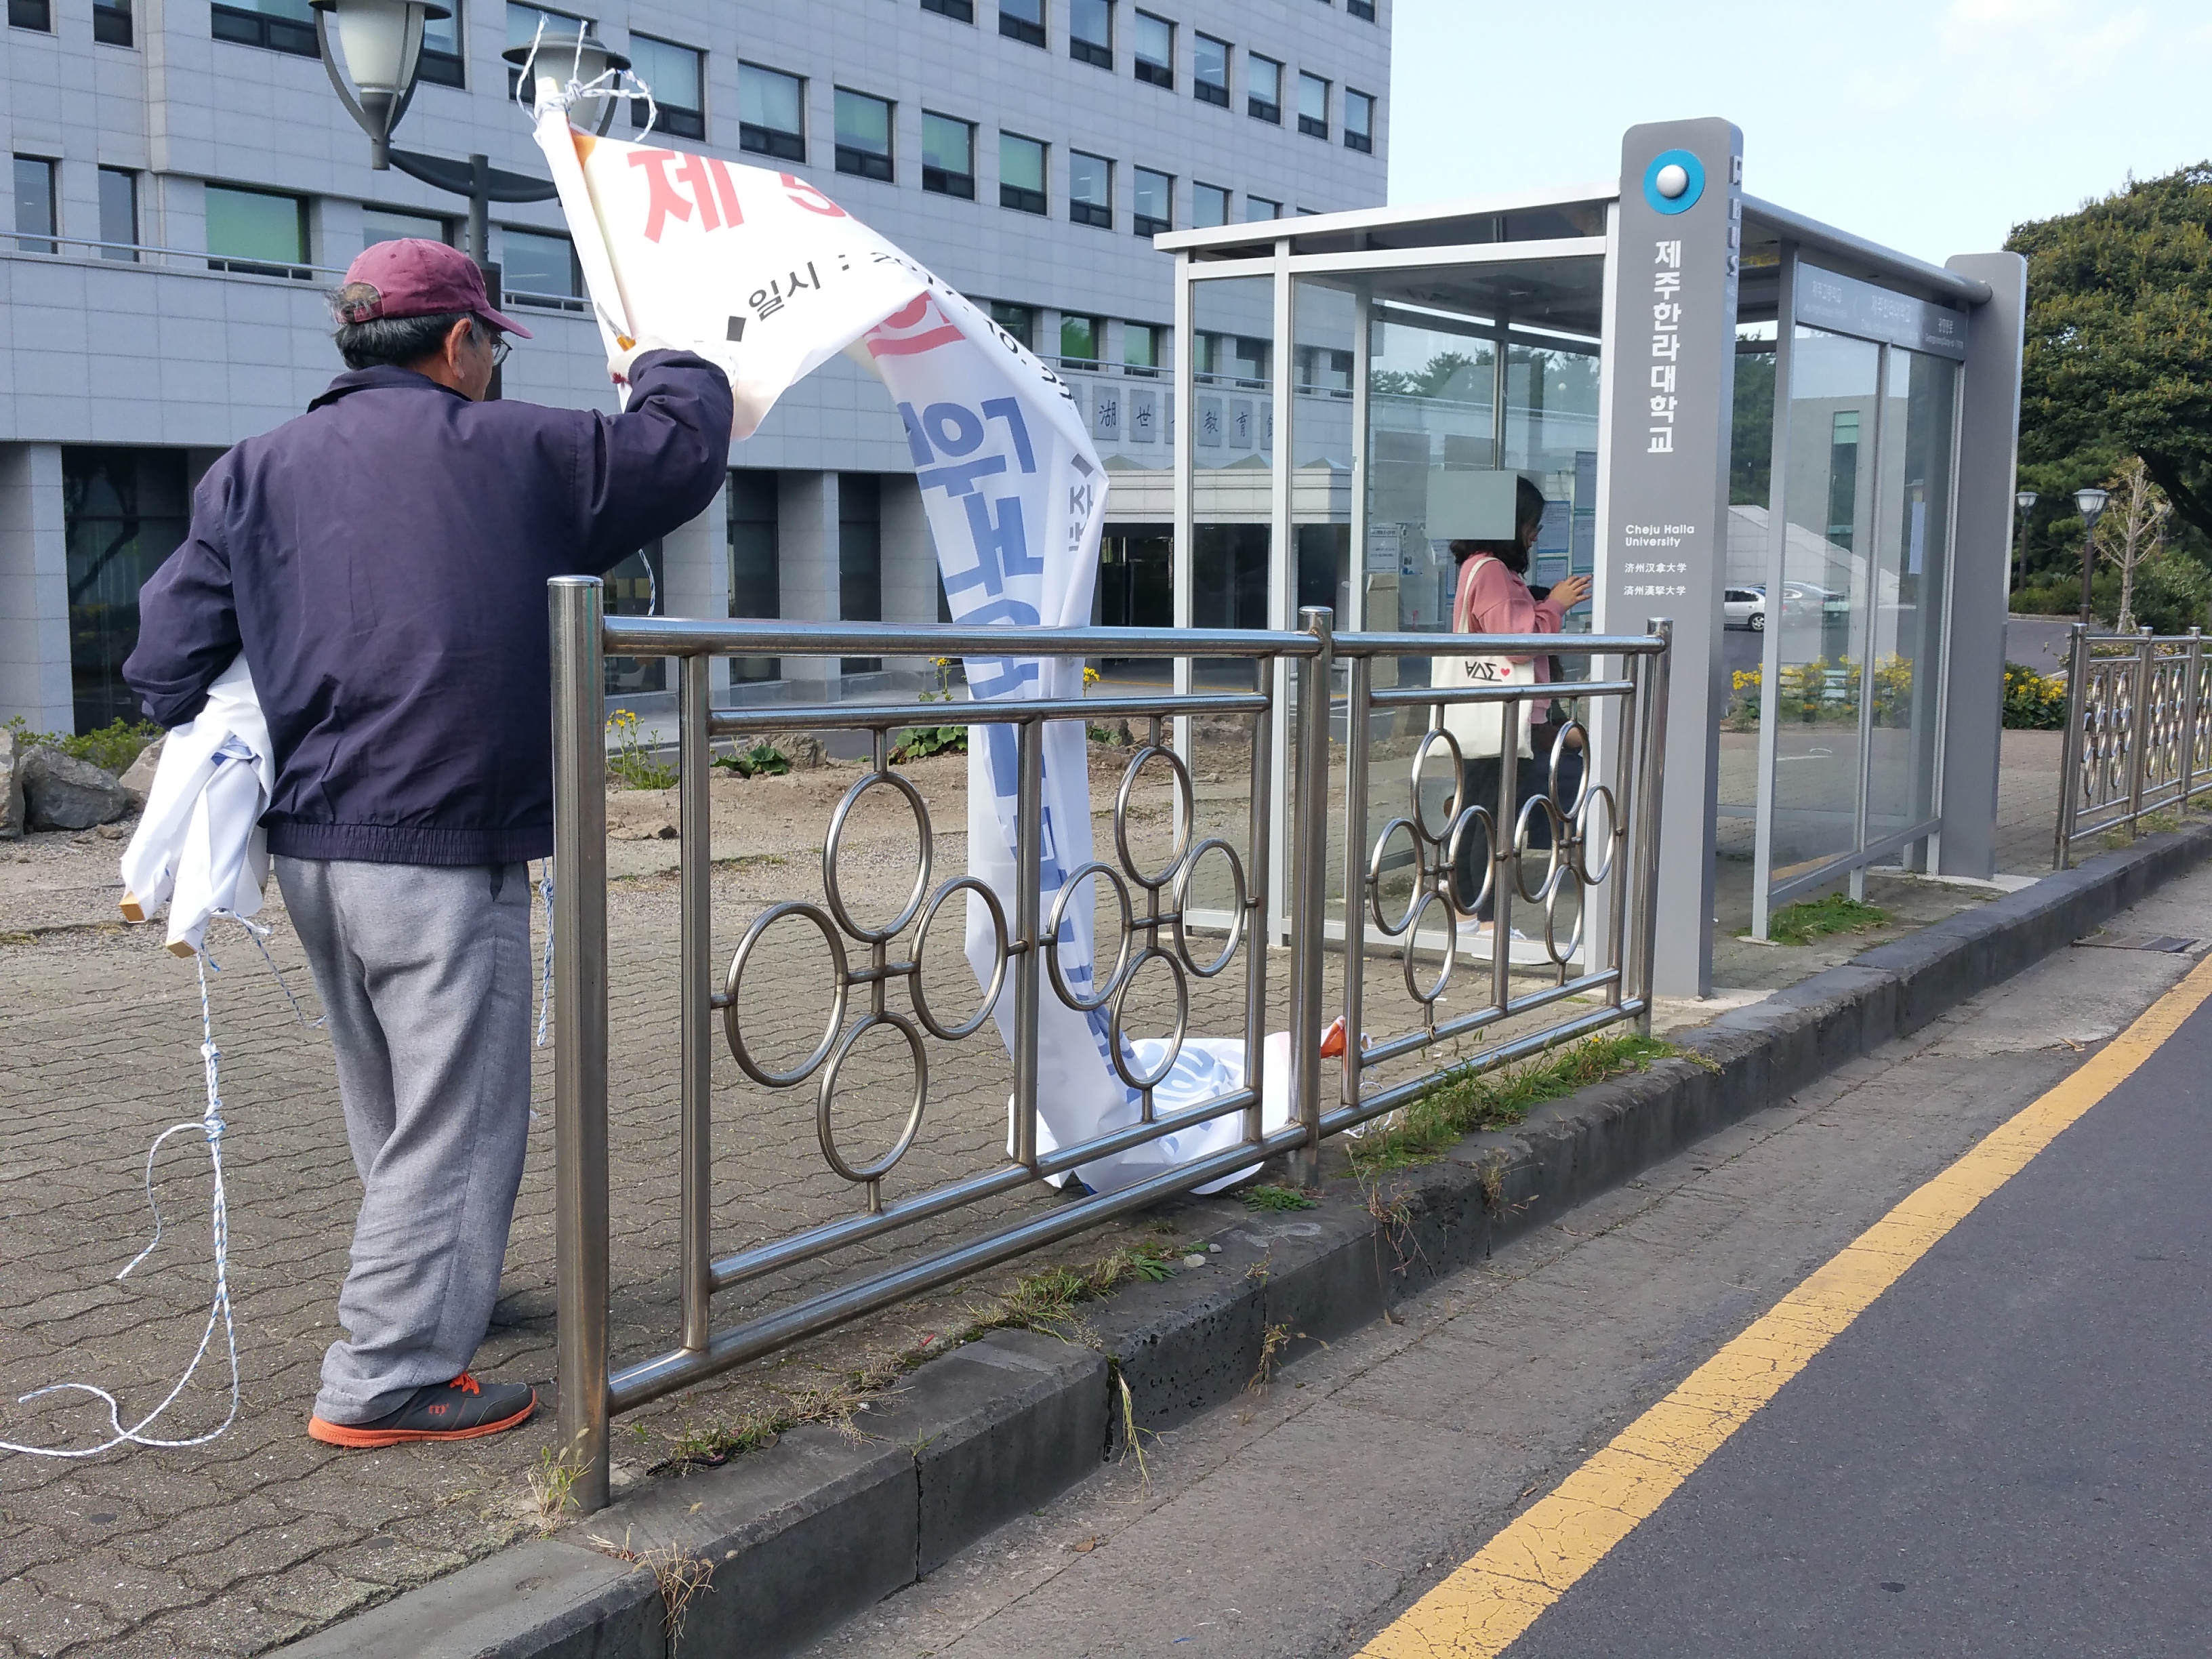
(1801,924)
(1465,1099)
(1276,1198)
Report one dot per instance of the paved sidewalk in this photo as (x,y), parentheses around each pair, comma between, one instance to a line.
(263,1535)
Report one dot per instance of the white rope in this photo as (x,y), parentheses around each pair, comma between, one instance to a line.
(212,1125)
(545,986)
(259,935)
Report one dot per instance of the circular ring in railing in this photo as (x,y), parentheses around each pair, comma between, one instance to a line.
(1556,887)
(1184,829)
(1118,977)
(1375,876)
(921,1008)
(1119,1047)
(1420,818)
(829,850)
(1558,824)
(1592,794)
(882,1166)
(1461,825)
(735,980)
(1181,901)
(1430,896)
(1560,750)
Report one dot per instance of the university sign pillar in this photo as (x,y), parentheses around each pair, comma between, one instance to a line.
(1662,493)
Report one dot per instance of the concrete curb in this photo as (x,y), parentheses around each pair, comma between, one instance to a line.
(822,1526)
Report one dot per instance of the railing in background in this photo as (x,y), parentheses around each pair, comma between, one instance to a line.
(1158,912)
(2138,732)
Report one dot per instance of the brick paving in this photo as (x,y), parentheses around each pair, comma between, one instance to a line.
(263,1535)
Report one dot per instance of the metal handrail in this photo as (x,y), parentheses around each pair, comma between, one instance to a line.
(2138,732)
(1617,819)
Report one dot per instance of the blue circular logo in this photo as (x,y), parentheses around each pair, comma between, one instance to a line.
(1673,181)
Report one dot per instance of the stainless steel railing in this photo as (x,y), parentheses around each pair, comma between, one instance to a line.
(2138,732)
(1159,911)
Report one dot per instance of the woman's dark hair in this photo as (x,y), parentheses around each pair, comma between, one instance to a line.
(1528,509)
(402,342)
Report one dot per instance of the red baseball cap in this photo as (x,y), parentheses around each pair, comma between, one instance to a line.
(412,278)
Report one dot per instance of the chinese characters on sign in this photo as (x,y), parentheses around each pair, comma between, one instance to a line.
(1666,343)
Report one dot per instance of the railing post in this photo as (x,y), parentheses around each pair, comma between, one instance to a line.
(2192,667)
(1627,794)
(580,1046)
(1651,768)
(1308,887)
(2138,731)
(1029,853)
(1359,717)
(2071,752)
(695,865)
(1260,841)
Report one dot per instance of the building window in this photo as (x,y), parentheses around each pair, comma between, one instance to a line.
(30,14)
(1360,8)
(1021,174)
(523,30)
(1082,341)
(631,587)
(1155,50)
(960,11)
(756,583)
(948,156)
(1358,121)
(864,135)
(1090,190)
(1155,203)
(111,22)
(1209,69)
(1019,321)
(1140,349)
(1091,32)
(257,231)
(1209,205)
(124,512)
(34,204)
(1258,209)
(1263,87)
(1235,357)
(771,112)
(382,224)
(1323,370)
(678,79)
(440,62)
(118,214)
(539,268)
(861,557)
(276,25)
(1022,20)
(1313,105)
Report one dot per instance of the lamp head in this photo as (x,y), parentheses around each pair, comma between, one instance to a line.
(577,59)
(383,41)
(2025,501)
(2090,503)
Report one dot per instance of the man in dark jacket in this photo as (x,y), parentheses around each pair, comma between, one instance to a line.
(381,562)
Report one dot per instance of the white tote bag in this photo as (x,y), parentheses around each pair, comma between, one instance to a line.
(1478,727)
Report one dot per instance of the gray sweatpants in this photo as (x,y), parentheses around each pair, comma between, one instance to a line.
(424,971)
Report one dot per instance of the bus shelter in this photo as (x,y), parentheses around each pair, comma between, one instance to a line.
(1797,444)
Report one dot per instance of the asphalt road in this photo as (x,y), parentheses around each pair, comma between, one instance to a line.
(2006,1453)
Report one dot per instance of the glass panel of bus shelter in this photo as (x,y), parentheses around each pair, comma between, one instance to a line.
(1912,558)
(1826,568)
(1431,389)
(1326,325)
(1232,457)
(1743,595)
(1551,439)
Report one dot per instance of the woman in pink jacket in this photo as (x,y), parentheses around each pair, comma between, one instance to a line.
(1494,596)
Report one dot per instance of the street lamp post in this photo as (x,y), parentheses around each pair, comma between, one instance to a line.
(383,45)
(2025,501)
(2090,503)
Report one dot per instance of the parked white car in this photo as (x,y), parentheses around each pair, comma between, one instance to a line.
(1744,607)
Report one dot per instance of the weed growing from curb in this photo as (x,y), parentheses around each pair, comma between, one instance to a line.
(1465,1099)
(678,1574)
(550,1486)
(1276,1198)
(1801,924)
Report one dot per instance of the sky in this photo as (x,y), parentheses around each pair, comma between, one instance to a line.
(1933,127)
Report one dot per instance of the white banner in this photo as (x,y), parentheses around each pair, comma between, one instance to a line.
(761,272)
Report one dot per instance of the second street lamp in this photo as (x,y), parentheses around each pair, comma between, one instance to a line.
(2025,501)
(2090,503)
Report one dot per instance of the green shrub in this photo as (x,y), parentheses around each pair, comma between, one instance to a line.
(632,766)
(111,748)
(2033,701)
(763,760)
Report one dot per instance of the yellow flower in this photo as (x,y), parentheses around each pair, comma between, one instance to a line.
(1090,676)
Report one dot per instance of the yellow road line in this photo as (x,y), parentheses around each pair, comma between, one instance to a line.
(1479,1610)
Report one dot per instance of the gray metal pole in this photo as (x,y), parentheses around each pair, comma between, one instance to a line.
(1029,924)
(1658,676)
(2192,710)
(580,1046)
(1259,838)
(1308,871)
(694,973)
(2138,731)
(2070,752)
(1357,742)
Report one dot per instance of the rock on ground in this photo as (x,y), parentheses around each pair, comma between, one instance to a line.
(137,781)
(62,794)
(11,788)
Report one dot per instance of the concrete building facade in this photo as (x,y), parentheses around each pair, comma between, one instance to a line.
(186,187)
